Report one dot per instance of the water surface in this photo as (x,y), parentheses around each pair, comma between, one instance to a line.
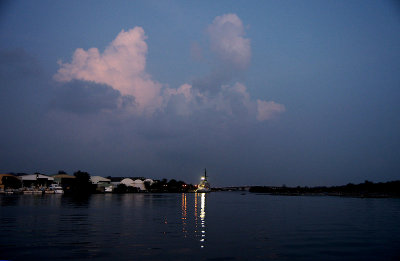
(214,226)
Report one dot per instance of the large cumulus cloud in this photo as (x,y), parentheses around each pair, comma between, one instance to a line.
(223,90)
(122,66)
(85,97)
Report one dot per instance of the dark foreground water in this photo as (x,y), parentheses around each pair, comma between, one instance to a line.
(216,226)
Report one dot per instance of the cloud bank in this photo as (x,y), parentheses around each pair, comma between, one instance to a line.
(122,66)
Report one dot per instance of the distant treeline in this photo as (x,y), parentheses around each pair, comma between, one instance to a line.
(366,189)
(82,185)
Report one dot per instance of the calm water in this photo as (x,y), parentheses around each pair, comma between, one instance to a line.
(216,226)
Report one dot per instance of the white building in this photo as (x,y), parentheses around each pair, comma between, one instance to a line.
(149,181)
(97,179)
(36,180)
(139,184)
(127,182)
(103,184)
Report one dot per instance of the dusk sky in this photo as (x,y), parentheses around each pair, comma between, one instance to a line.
(257,92)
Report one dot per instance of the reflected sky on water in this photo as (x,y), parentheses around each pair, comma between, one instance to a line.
(212,226)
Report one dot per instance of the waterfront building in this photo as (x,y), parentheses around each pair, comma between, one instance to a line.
(127,182)
(103,184)
(9,181)
(139,184)
(149,181)
(98,180)
(36,180)
(64,180)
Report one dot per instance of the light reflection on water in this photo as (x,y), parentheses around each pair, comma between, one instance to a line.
(203,218)
(198,226)
(199,223)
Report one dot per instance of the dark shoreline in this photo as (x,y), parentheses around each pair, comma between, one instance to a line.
(352,195)
(367,189)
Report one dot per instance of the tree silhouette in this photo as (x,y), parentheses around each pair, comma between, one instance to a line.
(82,184)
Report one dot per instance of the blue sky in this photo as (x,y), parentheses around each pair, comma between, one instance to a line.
(259,92)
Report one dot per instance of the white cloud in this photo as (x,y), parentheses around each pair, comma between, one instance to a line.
(184,99)
(185,90)
(234,99)
(228,42)
(268,110)
(122,65)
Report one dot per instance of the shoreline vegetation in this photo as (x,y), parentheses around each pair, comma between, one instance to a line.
(367,189)
(82,183)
